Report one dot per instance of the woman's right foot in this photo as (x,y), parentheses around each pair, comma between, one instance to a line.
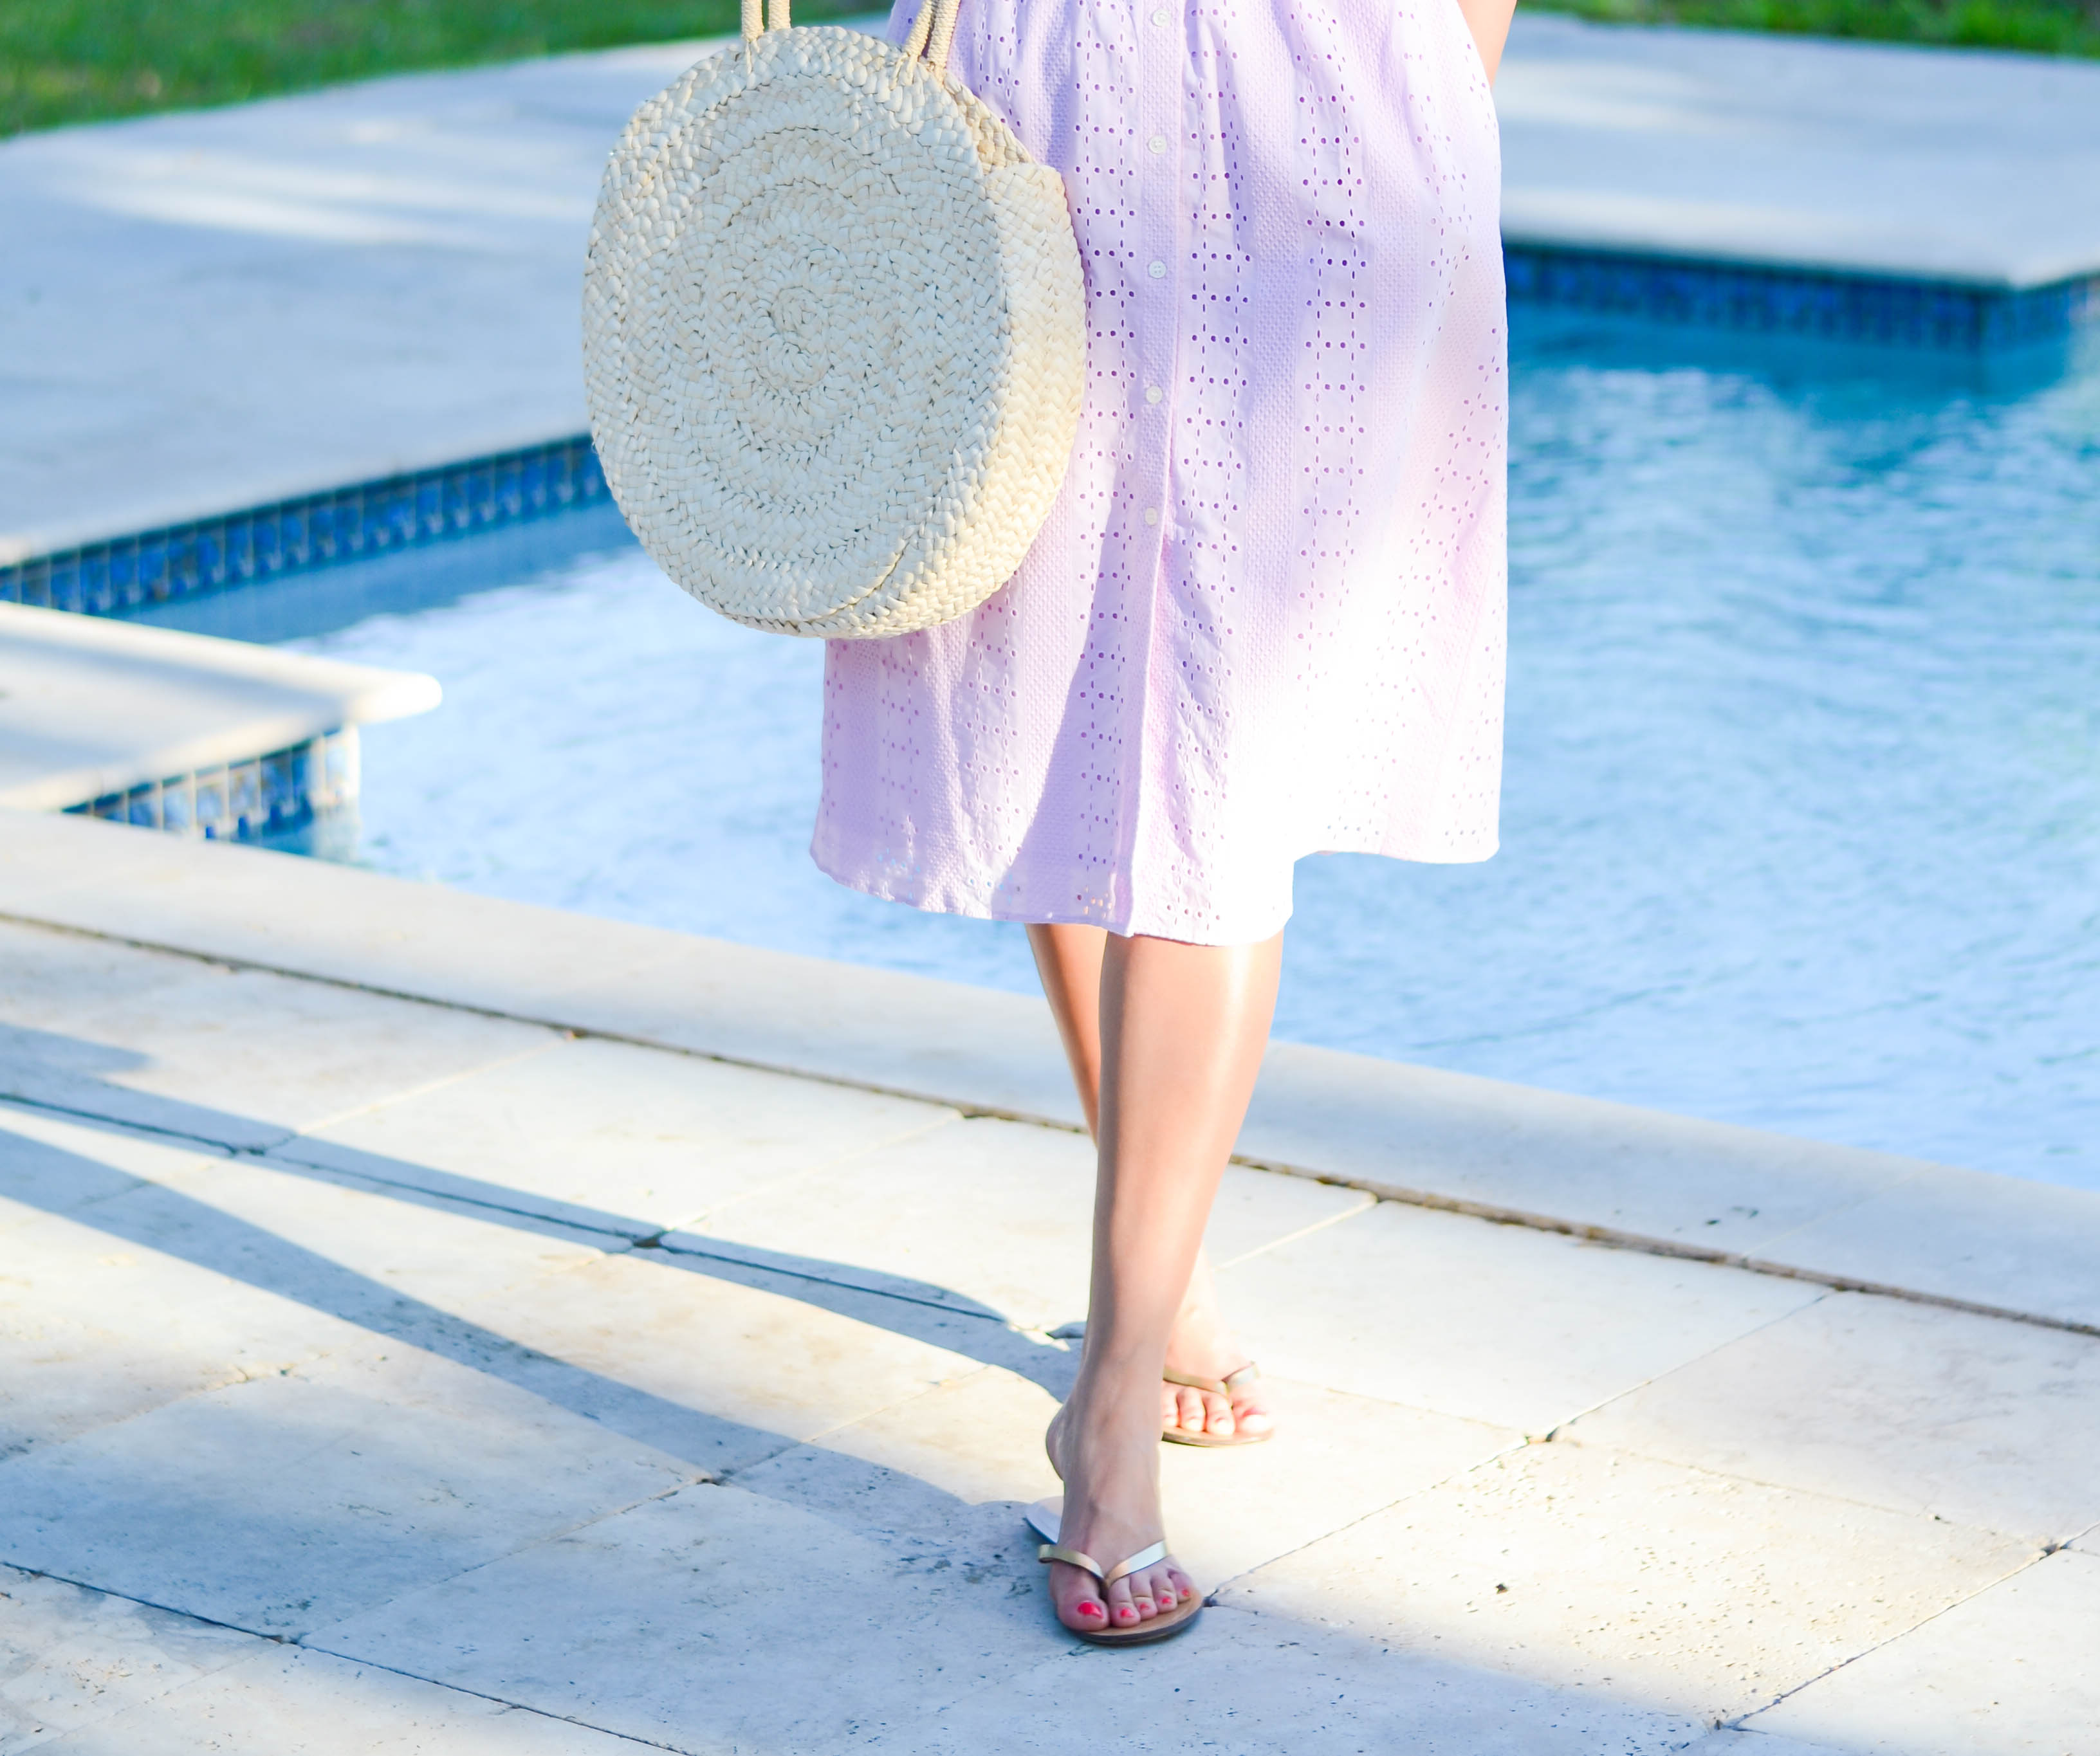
(1105,1445)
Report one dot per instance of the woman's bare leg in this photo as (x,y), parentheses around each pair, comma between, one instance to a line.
(1182,1028)
(1069,960)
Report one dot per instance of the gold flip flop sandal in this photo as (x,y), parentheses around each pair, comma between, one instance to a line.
(1045,1517)
(1218,1387)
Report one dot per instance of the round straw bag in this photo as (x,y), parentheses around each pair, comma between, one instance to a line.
(834,333)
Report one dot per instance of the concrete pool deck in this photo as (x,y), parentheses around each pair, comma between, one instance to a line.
(185,294)
(432,1323)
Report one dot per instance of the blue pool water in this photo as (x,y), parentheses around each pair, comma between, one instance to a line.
(1801,826)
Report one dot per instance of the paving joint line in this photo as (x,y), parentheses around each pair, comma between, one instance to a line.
(311,1130)
(904,1401)
(300,1643)
(628,1241)
(1303,1231)
(1559,1433)
(1525,1443)
(2042,1547)
(1614,1237)
(2033,1561)
(147,1603)
(223,1148)
(684,1248)
(1495,1214)
(499,1701)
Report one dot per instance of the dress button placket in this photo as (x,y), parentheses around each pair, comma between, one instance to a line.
(1155,168)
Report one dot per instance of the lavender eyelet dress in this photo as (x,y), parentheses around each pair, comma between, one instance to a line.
(1266,617)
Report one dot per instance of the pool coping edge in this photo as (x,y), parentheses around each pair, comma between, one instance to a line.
(1608,1175)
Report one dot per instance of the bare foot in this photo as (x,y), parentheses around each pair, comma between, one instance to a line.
(1105,1445)
(1201,1346)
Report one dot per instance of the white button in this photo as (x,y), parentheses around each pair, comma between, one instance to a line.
(1161,15)
(1152,515)
(1157,143)
(1152,392)
(1158,268)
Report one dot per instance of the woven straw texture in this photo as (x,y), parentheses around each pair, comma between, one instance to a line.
(834,335)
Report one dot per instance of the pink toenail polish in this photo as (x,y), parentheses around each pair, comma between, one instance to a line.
(1090,1609)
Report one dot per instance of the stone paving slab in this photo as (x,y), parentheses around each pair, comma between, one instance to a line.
(236,1058)
(1253,1686)
(1884,158)
(714,1617)
(70,1656)
(716,1372)
(980,1440)
(2008,1672)
(1705,1595)
(609,1134)
(54,1163)
(76,1302)
(1530,1328)
(293,1498)
(1903,1405)
(980,1215)
(285,1702)
(725,1373)
(1731,1740)
(680,1622)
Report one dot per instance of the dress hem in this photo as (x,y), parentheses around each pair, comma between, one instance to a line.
(973,909)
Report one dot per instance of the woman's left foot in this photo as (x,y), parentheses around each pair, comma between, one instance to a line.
(1200,1347)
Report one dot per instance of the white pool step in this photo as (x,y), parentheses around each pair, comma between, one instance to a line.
(181,731)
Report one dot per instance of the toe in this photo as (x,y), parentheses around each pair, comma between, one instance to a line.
(1191,1413)
(1162,1585)
(1124,1609)
(1078,1601)
(1218,1416)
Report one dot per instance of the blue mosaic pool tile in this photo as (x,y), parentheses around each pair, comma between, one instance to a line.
(1915,314)
(294,536)
(263,799)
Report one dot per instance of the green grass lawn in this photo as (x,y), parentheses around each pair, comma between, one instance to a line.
(73,60)
(2042,27)
(76,60)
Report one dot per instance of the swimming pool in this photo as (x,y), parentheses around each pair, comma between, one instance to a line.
(1802,826)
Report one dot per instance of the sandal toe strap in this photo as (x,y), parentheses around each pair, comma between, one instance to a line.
(1078,1558)
(1137,1563)
(1215,1386)
(1218,1387)
(1150,1556)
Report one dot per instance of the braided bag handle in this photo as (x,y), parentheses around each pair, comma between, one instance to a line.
(791,438)
(933,31)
